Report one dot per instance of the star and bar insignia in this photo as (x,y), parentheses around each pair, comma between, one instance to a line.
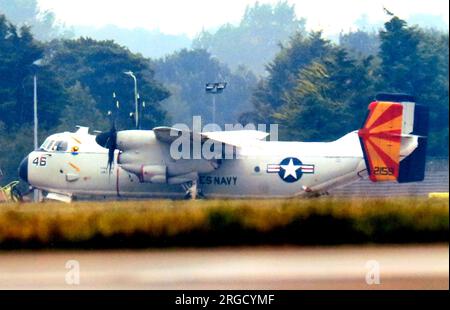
(290,169)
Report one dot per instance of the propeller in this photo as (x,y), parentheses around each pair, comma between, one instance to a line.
(109,139)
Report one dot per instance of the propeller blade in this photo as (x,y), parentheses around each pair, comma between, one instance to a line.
(112,146)
(102,139)
(109,139)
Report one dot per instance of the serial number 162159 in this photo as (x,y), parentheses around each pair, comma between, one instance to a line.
(383,171)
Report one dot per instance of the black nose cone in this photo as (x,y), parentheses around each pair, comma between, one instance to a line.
(23,169)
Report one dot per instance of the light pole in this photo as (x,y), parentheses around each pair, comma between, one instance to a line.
(214,89)
(136,115)
(35,112)
(36,193)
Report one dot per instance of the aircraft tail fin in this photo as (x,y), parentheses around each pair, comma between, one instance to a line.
(394,139)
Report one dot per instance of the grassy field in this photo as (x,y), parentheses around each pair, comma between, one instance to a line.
(164,223)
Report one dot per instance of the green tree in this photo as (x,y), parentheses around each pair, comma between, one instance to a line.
(433,87)
(330,99)
(82,104)
(18,53)
(100,66)
(298,53)
(186,72)
(415,61)
(360,43)
(399,56)
(315,91)
(255,41)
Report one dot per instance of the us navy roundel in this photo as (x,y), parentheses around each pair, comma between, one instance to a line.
(290,169)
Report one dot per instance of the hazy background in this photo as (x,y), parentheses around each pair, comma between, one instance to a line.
(155,28)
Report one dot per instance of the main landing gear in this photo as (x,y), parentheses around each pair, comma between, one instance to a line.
(192,190)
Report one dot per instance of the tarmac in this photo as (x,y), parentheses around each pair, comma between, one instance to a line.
(285,267)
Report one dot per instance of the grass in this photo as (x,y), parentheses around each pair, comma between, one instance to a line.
(163,223)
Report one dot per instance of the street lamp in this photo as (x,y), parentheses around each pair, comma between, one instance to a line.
(37,195)
(215,89)
(136,96)
(37,64)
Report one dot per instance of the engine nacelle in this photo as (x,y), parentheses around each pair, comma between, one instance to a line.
(149,159)
(154,174)
(135,139)
(148,173)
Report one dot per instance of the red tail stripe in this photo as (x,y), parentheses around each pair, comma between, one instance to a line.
(386,159)
(390,113)
(387,136)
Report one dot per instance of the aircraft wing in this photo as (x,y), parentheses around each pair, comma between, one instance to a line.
(170,134)
(141,156)
(236,138)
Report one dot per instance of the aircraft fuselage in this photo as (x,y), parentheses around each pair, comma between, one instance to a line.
(263,169)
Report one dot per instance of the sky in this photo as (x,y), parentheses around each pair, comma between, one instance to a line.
(191,16)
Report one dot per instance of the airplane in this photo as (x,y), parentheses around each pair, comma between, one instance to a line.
(390,146)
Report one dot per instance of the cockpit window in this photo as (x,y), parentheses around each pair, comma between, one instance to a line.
(61,146)
(45,145)
(55,145)
(52,146)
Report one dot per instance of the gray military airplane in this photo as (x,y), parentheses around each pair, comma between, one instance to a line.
(390,146)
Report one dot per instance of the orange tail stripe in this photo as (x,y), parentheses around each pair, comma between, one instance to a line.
(392,112)
(393,124)
(384,158)
(374,114)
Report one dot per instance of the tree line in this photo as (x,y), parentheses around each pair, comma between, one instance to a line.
(316,90)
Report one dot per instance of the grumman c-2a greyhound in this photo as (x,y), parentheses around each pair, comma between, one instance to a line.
(390,146)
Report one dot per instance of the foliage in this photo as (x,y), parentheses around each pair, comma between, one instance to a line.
(81,103)
(75,81)
(416,62)
(186,72)
(18,53)
(311,82)
(100,65)
(283,70)
(326,90)
(255,41)
(223,222)
(317,91)
(360,43)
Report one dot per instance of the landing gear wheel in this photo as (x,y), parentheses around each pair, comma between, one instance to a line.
(192,190)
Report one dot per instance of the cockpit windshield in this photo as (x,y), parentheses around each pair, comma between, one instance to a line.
(61,146)
(46,144)
(54,145)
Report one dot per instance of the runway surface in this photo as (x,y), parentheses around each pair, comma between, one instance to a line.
(346,267)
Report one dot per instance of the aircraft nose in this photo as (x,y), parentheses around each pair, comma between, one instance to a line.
(23,169)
